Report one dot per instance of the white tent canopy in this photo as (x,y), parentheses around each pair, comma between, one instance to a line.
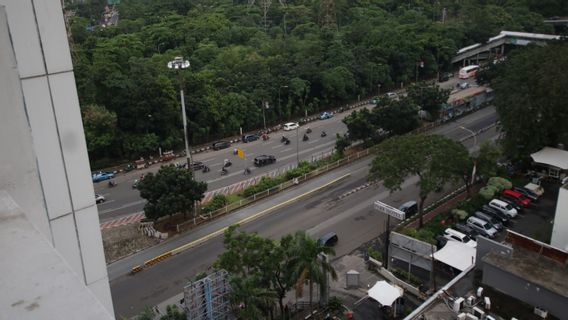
(552,157)
(385,293)
(456,254)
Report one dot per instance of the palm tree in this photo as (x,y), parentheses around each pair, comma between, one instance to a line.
(251,298)
(307,263)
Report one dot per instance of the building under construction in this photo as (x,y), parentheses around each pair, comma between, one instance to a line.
(208,298)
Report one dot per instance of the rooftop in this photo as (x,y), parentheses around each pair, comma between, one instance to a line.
(545,272)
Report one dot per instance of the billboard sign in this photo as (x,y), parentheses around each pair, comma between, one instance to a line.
(391,211)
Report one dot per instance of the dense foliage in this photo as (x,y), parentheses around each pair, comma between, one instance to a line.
(531,98)
(263,271)
(297,64)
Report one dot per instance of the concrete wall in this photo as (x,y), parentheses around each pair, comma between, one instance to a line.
(486,245)
(525,291)
(45,166)
(411,250)
(560,228)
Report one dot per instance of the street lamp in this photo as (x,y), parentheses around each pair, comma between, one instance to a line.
(474,145)
(179,63)
(379,90)
(263,115)
(297,146)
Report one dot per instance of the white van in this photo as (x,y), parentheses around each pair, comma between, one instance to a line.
(291,126)
(454,235)
(483,227)
(503,207)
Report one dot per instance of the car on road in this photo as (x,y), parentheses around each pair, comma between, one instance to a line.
(291,126)
(410,208)
(263,160)
(221,145)
(329,239)
(99,198)
(325,115)
(197,165)
(249,137)
(392,95)
(101,176)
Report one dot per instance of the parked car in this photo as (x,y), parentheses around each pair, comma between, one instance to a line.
(101,176)
(503,218)
(536,188)
(503,207)
(329,239)
(472,233)
(291,126)
(409,207)
(445,77)
(264,160)
(517,196)
(392,95)
(441,241)
(221,145)
(454,235)
(325,115)
(493,221)
(483,227)
(249,137)
(512,202)
(99,198)
(527,193)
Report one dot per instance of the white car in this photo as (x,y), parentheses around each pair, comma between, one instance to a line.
(454,235)
(99,198)
(504,207)
(291,126)
(392,95)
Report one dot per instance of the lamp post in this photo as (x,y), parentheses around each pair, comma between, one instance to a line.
(176,64)
(474,145)
(297,146)
(265,106)
(379,90)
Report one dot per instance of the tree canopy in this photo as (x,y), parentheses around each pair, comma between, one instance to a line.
(171,190)
(530,97)
(297,64)
(434,159)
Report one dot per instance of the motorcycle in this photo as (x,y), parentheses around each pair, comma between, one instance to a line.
(309,131)
(111,184)
(205,169)
(283,139)
(265,137)
(224,171)
(227,163)
(247,171)
(287,142)
(323,134)
(306,138)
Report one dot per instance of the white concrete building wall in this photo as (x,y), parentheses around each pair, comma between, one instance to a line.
(43,159)
(560,229)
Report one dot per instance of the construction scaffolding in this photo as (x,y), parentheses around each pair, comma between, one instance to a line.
(208,298)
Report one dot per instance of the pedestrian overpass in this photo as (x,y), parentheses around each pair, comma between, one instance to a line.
(495,46)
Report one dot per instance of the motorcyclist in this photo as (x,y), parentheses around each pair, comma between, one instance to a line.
(226,163)
(323,134)
(111,183)
(309,130)
(224,171)
(306,138)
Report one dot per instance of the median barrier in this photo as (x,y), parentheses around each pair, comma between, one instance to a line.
(157,259)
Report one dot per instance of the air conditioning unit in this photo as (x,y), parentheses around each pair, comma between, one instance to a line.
(478,312)
(470,301)
(540,312)
(461,316)
(458,304)
(479,292)
(487,303)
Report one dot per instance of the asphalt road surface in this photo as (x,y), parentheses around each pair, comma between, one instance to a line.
(352,218)
(123,200)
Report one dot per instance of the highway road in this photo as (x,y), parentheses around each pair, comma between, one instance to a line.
(123,200)
(352,218)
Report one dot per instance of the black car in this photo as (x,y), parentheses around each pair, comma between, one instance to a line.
(444,77)
(329,239)
(527,193)
(197,165)
(249,137)
(503,218)
(221,145)
(466,230)
(264,160)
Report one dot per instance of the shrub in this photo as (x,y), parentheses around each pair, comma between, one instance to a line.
(218,202)
(303,168)
(487,192)
(264,184)
(374,254)
(472,204)
(405,276)
(459,214)
(500,183)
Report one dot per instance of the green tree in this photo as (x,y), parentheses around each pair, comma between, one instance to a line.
(169,191)
(530,98)
(396,117)
(431,158)
(100,127)
(486,160)
(428,97)
(308,264)
(173,313)
(360,125)
(251,299)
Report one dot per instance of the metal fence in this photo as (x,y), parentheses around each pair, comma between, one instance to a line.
(268,192)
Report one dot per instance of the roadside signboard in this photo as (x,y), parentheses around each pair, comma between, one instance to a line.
(391,211)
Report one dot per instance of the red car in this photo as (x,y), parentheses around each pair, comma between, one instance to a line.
(517,196)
